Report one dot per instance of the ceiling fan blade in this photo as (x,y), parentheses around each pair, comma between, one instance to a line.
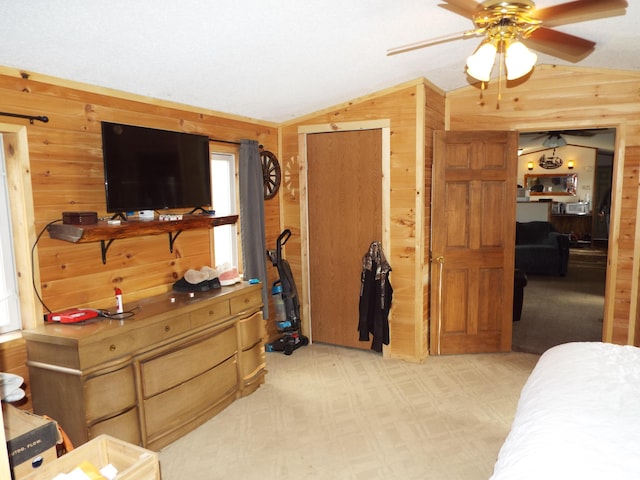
(532,138)
(579,133)
(579,11)
(466,8)
(434,41)
(559,44)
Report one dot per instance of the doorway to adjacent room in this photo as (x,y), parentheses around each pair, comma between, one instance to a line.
(571,308)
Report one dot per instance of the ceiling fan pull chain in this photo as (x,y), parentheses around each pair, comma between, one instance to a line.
(501,74)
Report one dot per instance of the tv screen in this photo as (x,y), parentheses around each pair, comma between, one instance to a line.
(150,169)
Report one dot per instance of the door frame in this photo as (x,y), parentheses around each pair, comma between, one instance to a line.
(23,222)
(384,125)
(613,253)
(617,180)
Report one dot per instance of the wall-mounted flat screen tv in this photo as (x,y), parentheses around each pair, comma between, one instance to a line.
(151,169)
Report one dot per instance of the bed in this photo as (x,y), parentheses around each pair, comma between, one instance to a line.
(578,416)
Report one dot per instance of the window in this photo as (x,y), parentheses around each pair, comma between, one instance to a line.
(223,201)
(9,299)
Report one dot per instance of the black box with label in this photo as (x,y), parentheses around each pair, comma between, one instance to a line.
(80,218)
(31,440)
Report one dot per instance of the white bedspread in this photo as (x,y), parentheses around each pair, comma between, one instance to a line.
(578,417)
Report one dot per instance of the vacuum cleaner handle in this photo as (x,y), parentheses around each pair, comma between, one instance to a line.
(283,237)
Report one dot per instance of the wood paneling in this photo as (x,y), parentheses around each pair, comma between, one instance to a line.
(414,110)
(565,97)
(66,174)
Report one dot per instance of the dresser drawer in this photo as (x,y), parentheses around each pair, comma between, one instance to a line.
(247,301)
(125,426)
(252,362)
(186,361)
(110,393)
(164,330)
(173,408)
(251,330)
(133,341)
(210,315)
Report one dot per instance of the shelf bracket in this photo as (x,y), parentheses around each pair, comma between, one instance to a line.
(172,239)
(104,247)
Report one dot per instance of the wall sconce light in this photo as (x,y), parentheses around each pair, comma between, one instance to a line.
(530,166)
(570,165)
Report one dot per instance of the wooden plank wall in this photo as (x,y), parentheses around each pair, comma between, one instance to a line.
(404,107)
(67,175)
(434,107)
(568,98)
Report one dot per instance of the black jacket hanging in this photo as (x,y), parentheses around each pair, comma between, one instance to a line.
(375,298)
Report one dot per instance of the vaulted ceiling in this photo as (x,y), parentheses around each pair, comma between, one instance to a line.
(271,61)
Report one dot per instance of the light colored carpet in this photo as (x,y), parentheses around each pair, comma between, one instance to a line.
(558,310)
(328,412)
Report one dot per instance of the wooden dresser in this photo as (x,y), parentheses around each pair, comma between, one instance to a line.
(151,378)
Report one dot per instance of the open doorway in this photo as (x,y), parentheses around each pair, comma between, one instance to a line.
(565,305)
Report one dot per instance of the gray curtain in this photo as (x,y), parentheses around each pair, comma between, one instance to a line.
(254,250)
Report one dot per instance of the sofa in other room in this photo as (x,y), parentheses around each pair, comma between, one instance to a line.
(540,249)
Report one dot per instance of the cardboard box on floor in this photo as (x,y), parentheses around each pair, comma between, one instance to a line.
(31,440)
(131,461)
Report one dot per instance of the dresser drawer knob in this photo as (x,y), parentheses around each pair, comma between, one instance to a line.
(167,328)
(112,348)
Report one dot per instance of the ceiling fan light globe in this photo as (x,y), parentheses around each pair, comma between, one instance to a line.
(480,64)
(554,141)
(519,60)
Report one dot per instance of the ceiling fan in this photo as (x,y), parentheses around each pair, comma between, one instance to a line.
(558,138)
(532,142)
(505,25)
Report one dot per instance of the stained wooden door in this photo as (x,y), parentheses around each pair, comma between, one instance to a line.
(473,241)
(344,183)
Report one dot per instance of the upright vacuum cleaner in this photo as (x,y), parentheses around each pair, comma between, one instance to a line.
(286,302)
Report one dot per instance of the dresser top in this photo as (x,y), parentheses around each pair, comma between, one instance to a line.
(146,311)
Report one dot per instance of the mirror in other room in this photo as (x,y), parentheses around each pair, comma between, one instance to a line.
(551,183)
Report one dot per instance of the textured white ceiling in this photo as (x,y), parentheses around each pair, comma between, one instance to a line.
(268,60)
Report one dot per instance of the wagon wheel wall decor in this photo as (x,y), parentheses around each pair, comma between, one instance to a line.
(271,174)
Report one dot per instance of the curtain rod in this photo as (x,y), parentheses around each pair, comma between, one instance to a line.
(229,141)
(44,119)
(223,141)
(31,118)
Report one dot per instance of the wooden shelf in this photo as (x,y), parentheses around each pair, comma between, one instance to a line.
(105,234)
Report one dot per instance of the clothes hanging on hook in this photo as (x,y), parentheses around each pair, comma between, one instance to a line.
(375,298)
